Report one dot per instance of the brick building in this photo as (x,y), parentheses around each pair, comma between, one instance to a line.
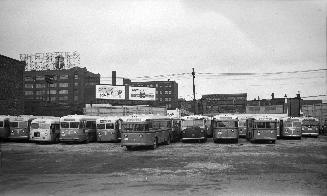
(166,94)
(11,86)
(70,90)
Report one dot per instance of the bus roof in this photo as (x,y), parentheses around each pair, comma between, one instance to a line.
(21,118)
(4,118)
(78,117)
(264,118)
(291,118)
(193,117)
(108,119)
(143,118)
(46,120)
(226,117)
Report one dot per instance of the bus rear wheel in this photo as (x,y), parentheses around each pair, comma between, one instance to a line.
(155,144)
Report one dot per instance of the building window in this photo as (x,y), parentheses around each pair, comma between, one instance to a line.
(169,92)
(40,85)
(63,92)
(53,92)
(63,77)
(166,92)
(39,78)
(28,85)
(28,79)
(76,76)
(160,99)
(166,99)
(39,92)
(75,98)
(63,84)
(63,98)
(53,85)
(160,92)
(28,92)
(52,98)
(169,105)
(76,83)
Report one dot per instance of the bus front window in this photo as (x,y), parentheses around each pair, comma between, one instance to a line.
(128,127)
(44,126)
(100,126)
(74,125)
(64,125)
(296,124)
(110,126)
(35,125)
(13,124)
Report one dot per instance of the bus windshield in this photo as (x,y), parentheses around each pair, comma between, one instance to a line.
(296,124)
(226,124)
(18,124)
(110,126)
(64,124)
(136,127)
(266,125)
(35,125)
(44,126)
(100,126)
(191,123)
(74,125)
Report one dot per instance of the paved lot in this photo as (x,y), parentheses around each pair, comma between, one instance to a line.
(289,167)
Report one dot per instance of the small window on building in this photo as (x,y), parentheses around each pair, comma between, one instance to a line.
(39,78)
(40,92)
(63,77)
(28,85)
(53,92)
(169,92)
(52,98)
(53,85)
(28,79)
(63,92)
(75,98)
(63,98)
(63,84)
(40,85)
(76,76)
(76,84)
(166,92)
(28,92)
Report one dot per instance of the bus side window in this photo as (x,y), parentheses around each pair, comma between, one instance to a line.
(146,127)
(7,123)
(82,124)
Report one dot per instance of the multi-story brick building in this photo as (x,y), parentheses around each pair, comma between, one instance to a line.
(70,90)
(166,94)
(11,86)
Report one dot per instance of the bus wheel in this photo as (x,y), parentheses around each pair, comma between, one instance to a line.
(128,147)
(155,144)
(168,140)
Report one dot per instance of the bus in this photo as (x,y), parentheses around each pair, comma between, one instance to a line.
(146,130)
(225,128)
(176,129)
(194,128)
(4,127)
(242,124)
(109,129)
(45,129)
(310,126)
(78,128)
(20,127)
(290,127)
(261,128)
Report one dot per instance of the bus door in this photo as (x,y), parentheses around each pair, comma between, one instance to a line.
(4,129)
(90,130)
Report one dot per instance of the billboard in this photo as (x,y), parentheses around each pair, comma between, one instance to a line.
(110,92)
(142,93)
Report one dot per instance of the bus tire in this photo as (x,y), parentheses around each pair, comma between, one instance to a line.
(128,147)
(168,140)
(155,144)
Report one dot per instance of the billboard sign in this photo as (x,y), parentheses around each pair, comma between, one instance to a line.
(110,92)
(142,93)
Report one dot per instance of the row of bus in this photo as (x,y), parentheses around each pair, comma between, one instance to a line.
(152,130)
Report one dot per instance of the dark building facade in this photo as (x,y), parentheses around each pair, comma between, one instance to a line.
(11,86)
(70,90)
(223,103)
(166,94)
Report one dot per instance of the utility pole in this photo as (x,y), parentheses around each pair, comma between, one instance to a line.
(193,73)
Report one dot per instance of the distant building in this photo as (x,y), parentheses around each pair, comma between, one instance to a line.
(223,103)
(166,94)
(70,91)
(11,86)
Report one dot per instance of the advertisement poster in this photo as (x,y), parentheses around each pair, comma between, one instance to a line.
(142,93)
(110,92)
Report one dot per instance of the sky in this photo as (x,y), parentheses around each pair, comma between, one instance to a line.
(254,47)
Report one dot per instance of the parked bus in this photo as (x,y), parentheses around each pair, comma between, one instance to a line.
(45,129)
(242,124)
(209,126)
(176,129)
(78,128)
(4,127)
(310,126)
(20,127)
(194,128)
(146,130)
(261,128)
(225,128)
(290,127)
(109,129)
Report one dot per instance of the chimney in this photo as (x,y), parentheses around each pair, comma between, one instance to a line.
(113,78)
(272,95)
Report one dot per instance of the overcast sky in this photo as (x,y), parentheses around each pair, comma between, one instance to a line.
(152,38)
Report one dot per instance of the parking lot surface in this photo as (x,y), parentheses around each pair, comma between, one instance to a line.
(289,167)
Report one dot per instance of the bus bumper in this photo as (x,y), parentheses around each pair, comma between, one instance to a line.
(22,137)
(310,134)
(193,138)
(136,144)
(71,140)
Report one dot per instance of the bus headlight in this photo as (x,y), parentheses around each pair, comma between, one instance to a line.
(46,134)
(125,135)
(201,131)
(141,135)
